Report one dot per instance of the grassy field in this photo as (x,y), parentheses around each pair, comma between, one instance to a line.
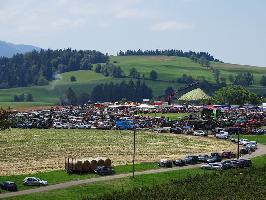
(24,151)
(125,184)
(168,68)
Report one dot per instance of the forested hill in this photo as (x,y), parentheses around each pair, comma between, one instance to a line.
(169,52)
(39,67)
(9,49)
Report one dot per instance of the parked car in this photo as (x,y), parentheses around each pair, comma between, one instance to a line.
(227,164)
(214,166)
(176,130)
(234,164)
(179,162)
(214,159)
(222,135)
(9,186)
(165,163)
(228,154)
(245,150)
(200,133)
(243,141)
(203,158)
(191,160)
(34,181)
(251,146)
(245,162)
(103,171)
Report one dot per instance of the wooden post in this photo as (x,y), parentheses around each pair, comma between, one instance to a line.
(134,152)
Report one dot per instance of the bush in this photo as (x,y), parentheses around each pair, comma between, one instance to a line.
(73,79)
(42,81)
(153,75)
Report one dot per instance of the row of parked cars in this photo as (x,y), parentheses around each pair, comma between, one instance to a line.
(31,181)
(228,164)
(196,159)
(247,146)
(34,181)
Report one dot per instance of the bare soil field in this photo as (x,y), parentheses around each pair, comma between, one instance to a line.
(33,150)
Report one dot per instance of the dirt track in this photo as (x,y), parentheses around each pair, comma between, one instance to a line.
(260,151)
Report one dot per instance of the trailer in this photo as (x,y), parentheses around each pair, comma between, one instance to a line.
(73,165)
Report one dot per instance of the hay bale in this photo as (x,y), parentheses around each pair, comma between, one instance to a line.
(86,166)
(100,161)
(78,166)
(94,164)
(107,162)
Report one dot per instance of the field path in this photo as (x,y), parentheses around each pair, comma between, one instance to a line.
(260,151)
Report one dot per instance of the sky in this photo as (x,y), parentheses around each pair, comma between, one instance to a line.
(232,30)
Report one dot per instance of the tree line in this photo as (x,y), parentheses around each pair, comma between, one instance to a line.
(110,92)
(39,67)
(131,91)
(168,52)
(23,97)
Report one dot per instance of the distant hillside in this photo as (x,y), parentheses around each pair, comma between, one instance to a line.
(9,49)
(169,68)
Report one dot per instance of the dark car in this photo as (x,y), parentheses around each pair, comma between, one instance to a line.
(245,150)
(103,171)
(227,164)
(165,163)
(235,164)
(203,158)
(191,160)
(176,130)
(215,154)
(179,162)
(228,154)
(245,162)
(214,159)
(9,186)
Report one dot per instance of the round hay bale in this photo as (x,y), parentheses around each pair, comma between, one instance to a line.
(93,164)
(86,166)
(100,162)
(78,166)
(107,162)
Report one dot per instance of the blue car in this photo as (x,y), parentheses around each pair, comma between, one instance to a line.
(124,124)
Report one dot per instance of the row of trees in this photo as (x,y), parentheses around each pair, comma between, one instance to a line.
(23,97)
(167,52)
(110,69)
(263,80)
(133,73)
(37,68)
(244,79)
(132,91)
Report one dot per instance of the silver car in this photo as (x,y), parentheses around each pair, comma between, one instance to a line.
(214,166)
(34,181)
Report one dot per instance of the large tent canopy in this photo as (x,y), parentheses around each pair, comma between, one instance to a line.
(194,95)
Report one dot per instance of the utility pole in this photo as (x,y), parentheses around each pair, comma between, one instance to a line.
(238,153)
(134,151)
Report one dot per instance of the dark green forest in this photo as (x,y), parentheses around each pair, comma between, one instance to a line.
(168,52)
(109,92)
(39,67)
